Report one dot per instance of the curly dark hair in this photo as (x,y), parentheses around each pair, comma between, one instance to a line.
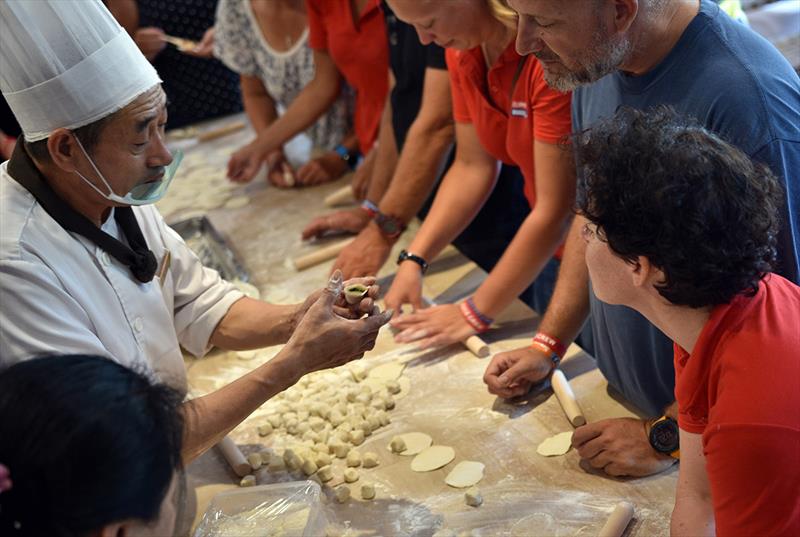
(661,186)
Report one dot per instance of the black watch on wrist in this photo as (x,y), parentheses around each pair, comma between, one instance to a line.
(390,226)
(405,255)
(664,437)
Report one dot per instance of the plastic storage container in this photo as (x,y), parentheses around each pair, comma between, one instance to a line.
(283,509)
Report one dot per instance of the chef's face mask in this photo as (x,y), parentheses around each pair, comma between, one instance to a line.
(141,194)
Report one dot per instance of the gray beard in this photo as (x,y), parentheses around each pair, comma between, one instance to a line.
(604,58)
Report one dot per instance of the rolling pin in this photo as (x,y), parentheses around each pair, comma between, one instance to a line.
(234,456)
(213,134)
(567,399)
(343,196)
(618,520)
(476,345)
(320,256)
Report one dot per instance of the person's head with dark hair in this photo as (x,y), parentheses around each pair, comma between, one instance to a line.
(91,447)
(674,208)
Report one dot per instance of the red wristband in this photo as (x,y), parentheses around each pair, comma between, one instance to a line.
(472,319)
(553,344)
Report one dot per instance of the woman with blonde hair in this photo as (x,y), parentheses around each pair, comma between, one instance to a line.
(505,114)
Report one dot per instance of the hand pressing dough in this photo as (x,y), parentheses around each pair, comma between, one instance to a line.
(465,474)
(473,497)
(433,458)
(367,491)
(350,475)
(555,445)
(415,443)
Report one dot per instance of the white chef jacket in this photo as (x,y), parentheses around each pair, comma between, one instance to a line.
(62,294)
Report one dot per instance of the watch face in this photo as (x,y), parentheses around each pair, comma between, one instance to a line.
(664,436)
(387,225)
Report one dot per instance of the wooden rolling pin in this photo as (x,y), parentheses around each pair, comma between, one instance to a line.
(320,256)
(343,196)
(476,345)
(567,399)
(213,134)
(234,456)
(617,521)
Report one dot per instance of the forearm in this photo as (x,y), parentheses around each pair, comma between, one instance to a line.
(385,157)
(569,306)
(420,161)
(260,109)
(692,518)
(532,247)
(208,419)
(462,193)
(252,324)
(312,102)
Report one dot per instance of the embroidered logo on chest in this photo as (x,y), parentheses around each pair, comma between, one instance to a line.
(519,109)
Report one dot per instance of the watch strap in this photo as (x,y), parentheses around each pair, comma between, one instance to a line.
(405,255)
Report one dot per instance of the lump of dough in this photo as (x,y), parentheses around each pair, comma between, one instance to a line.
(393,386)
(309,467)
(248,481)
(397,445)
(433,458)
(367,491)
(340,449)
(255,460)
(370,459)
(354,458)
(322,459)
(555,445)
(465,474)
(341,493)
(325,473)
(357,437)
(265,429)
(350,475)
(473,497)
(415,443)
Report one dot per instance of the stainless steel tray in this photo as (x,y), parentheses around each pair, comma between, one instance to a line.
(205,241)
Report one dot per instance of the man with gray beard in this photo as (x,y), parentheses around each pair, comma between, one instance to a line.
(645,53)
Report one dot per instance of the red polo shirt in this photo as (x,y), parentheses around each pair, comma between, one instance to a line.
(508,124)
(740,389)
(360,52)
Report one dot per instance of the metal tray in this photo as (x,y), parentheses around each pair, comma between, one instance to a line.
(205,241)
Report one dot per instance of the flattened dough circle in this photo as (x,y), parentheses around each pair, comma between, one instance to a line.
(433,458)
(237,202)
(465,474)
(386,372)
(555,445)
(415,443)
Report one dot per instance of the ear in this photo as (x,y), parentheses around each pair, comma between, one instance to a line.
(63,149)
(625,12)
(644,273)
(115,529)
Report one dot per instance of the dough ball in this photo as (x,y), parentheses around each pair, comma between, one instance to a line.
(265,429)
(393,386)
(473,497)
(248,481)
(370,459)
(354,458)
(323,459)
(367,491)
(254,460)
(341,493)
(357,437)
(325,473)
(309,467)
(415,443)
(397,445)
(350,475)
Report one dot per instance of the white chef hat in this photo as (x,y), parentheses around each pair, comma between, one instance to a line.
(67,63)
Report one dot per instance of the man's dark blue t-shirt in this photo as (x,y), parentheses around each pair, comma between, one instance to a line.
(736,84)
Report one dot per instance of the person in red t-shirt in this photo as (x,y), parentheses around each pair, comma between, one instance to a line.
(682,228)
(504,113)
(349,40)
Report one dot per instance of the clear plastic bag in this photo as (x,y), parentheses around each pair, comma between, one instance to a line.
(279,510)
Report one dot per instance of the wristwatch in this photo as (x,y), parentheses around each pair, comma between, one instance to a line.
(405,255)
(664,437)
(390,226)
(350,158)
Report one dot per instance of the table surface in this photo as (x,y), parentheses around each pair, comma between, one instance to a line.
(524,493)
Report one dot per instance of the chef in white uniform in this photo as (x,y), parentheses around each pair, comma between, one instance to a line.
(87,264)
